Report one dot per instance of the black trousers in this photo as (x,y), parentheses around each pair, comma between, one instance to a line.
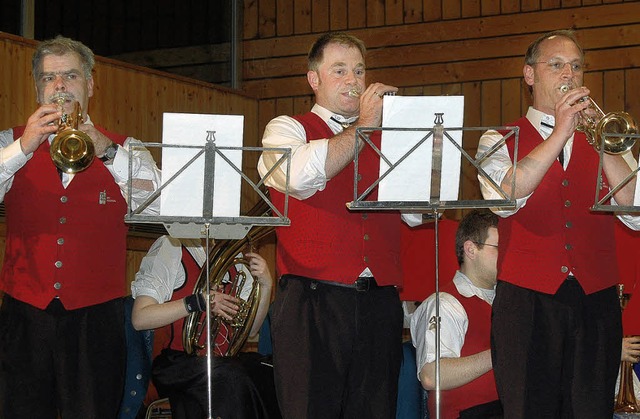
(58,361)
(556,356)
(234,394)
(336,351)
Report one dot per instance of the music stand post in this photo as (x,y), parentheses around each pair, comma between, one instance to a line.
(600,203)
(201,227)
(434,205)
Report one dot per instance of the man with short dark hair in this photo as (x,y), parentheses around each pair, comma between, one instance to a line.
(467,384)
(337,319)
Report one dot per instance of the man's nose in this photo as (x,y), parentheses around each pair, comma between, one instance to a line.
(58,83)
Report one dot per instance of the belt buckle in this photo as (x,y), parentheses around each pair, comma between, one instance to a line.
(362,284)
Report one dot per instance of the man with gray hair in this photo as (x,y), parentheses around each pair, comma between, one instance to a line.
(62,345)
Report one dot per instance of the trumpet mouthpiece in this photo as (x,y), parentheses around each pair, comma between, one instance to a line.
(566,87)
(354,93)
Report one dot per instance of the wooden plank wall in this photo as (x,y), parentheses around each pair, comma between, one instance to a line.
(129,100)
(473,48)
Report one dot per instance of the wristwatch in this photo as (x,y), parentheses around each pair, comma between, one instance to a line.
(110,152)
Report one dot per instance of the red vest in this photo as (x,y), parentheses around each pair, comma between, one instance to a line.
(69,243)
(555,232)
(482,389)
(326,241)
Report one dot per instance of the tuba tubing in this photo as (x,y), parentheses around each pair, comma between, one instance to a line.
(222,257)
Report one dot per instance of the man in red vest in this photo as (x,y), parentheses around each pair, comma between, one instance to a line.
(466,375)
(556,330)
(337,319)
(164,297)
(62,345)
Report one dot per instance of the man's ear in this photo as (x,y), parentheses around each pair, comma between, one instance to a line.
(470,249)
(529,74)
(313,79)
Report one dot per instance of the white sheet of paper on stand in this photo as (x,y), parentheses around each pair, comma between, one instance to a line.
(411,179)
(184,195)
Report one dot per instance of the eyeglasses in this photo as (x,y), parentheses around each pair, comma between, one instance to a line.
(557,66)
(486,244)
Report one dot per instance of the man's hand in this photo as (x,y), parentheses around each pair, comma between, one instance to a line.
(41,124)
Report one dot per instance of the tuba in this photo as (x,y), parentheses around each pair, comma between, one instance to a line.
(224,277)
(596,125)
(71,150)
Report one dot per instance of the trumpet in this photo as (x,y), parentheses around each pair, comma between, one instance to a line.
(71,150)
(354,92)
(596,125)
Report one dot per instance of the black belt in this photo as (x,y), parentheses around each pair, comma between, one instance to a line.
(362,284)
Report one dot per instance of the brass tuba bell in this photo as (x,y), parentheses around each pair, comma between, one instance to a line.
(223,277)
(596,125)
(71,150)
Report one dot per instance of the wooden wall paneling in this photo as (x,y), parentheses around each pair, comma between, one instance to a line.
(303,104)
(356,13)
(470,8)
(17,87)
(432,10)
(632,89)
(410,91)
(375,12)
(472,112)
(571,3)
(266,112)
(614,91)
(394,12)
(510,6)
(285,12)
(451,9)
(302,16)
(550,4)
(338,16)
(250,19)
(320,21)
(490,103)
(284,106)
(594,82)
(489,7)
(433,90)
(412,11)
(530,5)
(267,22)
(510,102)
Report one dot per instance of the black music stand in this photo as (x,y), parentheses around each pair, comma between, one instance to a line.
(433,206)
(209,225)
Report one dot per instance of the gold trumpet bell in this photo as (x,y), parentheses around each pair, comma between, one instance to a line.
(616,123)
(71,150)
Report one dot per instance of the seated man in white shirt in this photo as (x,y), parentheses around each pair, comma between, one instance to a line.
(164,296)
(466,372)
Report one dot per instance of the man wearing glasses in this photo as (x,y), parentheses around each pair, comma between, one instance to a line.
(556,327)
(466,374)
